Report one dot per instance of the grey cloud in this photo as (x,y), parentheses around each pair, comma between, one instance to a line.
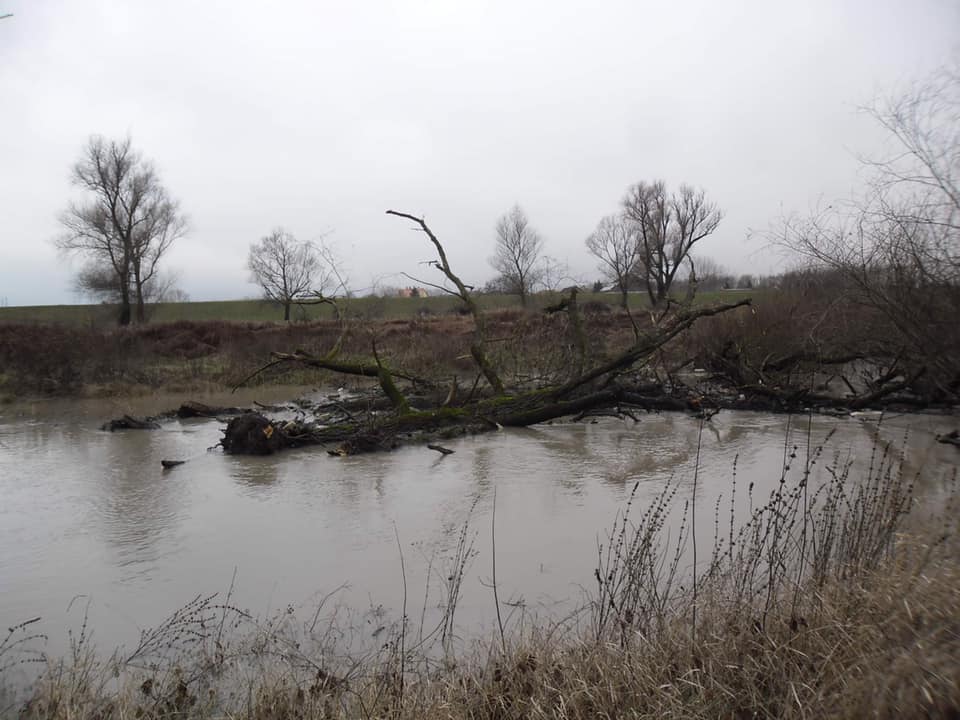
(320,116)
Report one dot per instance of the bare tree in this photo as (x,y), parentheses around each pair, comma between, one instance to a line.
(897,248)
(127,225)
(288,270)
(517,253)
(667,227)
(615,245)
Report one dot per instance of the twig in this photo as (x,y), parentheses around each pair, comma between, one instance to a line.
(693,527)
(255,373)
(496,598)
(403,623)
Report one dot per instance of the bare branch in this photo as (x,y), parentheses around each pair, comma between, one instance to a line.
(615,245)
(667,227)
(288,270)
(477,350)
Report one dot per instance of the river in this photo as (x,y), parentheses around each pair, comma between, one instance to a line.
(91,525)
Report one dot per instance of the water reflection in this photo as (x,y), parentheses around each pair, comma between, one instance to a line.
(92,512)
(256,473)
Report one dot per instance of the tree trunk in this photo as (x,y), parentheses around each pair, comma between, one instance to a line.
(623,296)
(141,314)
(124,318)
(597,388)
(286,312)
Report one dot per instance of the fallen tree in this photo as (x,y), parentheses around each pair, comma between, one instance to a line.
(752,364)
(609,384)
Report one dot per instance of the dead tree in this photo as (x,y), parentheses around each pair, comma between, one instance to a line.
(478,348)
(604,385)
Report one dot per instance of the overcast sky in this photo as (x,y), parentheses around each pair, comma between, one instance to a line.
(319,116)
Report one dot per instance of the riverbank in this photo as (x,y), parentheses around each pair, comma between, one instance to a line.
(66,361)
(838,600)
(785,352)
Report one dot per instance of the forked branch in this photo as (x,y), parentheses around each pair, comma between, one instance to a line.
(478,348)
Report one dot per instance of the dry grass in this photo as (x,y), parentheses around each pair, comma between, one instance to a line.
(819,604)
(63,360)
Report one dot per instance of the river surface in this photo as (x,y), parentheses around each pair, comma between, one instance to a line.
(91,524)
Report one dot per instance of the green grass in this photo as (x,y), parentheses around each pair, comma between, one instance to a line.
(264,311)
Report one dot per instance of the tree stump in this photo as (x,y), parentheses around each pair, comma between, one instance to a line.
(252,434)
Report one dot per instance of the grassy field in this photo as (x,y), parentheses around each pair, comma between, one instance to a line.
(374,308)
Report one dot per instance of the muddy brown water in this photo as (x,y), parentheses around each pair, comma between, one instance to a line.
(91,524)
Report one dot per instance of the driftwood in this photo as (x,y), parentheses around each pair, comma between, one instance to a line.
(194,409)
(127,422)
(189,409)
(440,449)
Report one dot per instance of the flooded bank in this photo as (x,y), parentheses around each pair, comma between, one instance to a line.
(91,523)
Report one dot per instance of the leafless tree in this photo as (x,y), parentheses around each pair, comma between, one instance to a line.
(126,226)
(287,269)
(615,245)
(667,227)
(897,247)
(517,253)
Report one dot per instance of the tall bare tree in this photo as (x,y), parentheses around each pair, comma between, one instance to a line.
(287,269)
(667,226)
(126,226)
(615,245)
(517,253)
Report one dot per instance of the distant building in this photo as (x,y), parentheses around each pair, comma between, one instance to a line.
(412,292)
